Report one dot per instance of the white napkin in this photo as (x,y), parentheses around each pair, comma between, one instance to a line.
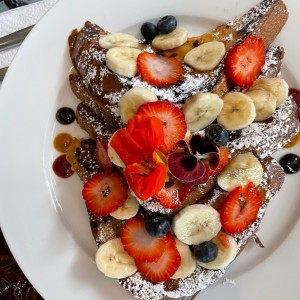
(19,18)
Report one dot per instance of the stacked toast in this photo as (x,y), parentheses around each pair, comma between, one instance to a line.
(99,89)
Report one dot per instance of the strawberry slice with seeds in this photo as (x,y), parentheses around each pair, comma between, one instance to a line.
(172,194)
(240,208)
(163,268)
(174,121)
(159,70)
(102,155)
(104,193)
(139,244)
(245,61)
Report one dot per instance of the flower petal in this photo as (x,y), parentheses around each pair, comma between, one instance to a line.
(145,182)
(146,131)
(185,167)
(127,148)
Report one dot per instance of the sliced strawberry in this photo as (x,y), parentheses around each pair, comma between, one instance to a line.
(240,208)
(245,61)
(159,70)
(174,121)
(172,194)
(139,243)
(104,193)
(163,268)
(223,161)
(102,155)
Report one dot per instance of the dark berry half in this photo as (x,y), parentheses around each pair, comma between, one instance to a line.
(149,31)
(158,226)
(290,163)
(65,115)
(167,24)
(217,134)
(206,252)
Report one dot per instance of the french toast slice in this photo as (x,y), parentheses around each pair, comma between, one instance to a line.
(265,21)
(81,155)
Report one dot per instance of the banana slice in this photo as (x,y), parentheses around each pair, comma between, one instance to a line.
(206,56)
(264,102)
(118,39)
(241,169)
(114,261)
(277,86)
(113,155)
(132,100)
(188,261)
(196,224)
(238,111)
(227,252)
(122,60)
(201,109)
(170,40)
(128,210)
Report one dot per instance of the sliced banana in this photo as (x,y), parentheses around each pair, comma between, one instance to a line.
(206,56)
(128,210)
(132,100)
(277,86)
(264,102)
(238,111)
(122,60)
(196,224)
(113,261)
(188,261)
(170,40)
(118,39)
(227,252)
(242,169)
(113,155)
(201,109)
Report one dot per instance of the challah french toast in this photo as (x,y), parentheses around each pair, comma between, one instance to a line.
(113,234)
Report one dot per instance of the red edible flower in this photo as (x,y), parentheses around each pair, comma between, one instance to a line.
(137,145)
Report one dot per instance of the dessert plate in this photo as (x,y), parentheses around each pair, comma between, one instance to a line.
(44,218)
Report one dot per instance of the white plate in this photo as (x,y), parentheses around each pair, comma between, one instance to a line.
(43,217)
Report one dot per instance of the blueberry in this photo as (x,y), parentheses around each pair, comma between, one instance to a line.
(167,24)
(290,163)
(65,115)
(158,226)
(217,134)
(206,252)
(149,31)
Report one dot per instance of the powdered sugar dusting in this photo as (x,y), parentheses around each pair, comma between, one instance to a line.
(249,20)
(199,280)
(265,138)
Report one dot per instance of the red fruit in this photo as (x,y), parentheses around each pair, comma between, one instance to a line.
(139,243)
(174,121)
(102,156)
(245,61)
(240,208)
(163,268)
(159,70)
(104,193)
(223,161)
(173,195)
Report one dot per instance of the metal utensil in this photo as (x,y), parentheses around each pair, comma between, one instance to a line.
(2,73)
(14,38)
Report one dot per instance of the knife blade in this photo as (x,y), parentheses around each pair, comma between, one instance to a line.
(14,38)
(2,73)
